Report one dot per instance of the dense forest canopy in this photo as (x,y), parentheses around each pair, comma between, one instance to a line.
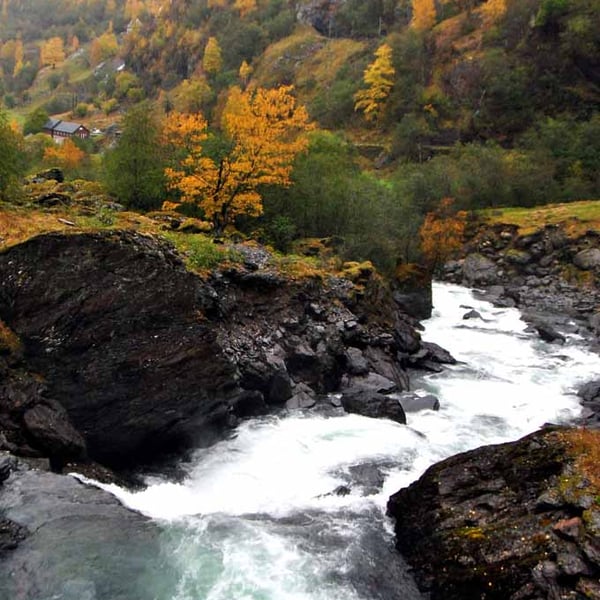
(487,102)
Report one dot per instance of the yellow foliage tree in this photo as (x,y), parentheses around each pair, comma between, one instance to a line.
(245,6)
(423,14)
(52,52)
(245,72)
(261,133)
(494,9)
(67,155)
(103,47)
(212,60)
(19,54)
(442,233)
(379,76)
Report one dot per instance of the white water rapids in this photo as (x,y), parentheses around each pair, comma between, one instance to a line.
(255,518)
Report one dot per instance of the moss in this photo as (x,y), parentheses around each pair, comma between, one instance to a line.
(358,272)
(200,252)
(9,341)
(470,533)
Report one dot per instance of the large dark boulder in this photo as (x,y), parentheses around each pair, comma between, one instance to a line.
(112,321)
(372,404)
(479,270)
(62,539)
(516,521)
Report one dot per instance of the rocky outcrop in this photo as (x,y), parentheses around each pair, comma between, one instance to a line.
(548,274)
(517,521)
(126,354)
(62,539)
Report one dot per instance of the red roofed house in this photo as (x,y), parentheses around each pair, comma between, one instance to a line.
(60,130)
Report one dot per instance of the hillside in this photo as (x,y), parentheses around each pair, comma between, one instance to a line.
(491,103)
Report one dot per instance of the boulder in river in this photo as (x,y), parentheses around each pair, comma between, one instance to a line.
(373,404)
(412,402)
(516,521)
(479,270)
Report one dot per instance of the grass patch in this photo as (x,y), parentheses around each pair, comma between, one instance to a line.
(200,252)
(575,217)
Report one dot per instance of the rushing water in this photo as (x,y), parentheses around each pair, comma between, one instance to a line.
(255,518)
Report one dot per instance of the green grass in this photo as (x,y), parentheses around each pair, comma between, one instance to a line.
(576,217)
(200,252)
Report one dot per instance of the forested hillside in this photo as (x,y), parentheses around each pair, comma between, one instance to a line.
(409,102)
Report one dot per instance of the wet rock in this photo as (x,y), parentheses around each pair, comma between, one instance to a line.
(587,259)
(499,523)
(356,362)
(250,403)
(303,397)
(471,314)
(412,402)
(60,538)
(281,388)
(369,477)
(110,321)
(373,404)
(548,333)
(370,382)
(147,358)
(51,428)
(479,270)
(590,392)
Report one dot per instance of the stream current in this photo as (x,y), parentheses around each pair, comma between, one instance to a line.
(255,517)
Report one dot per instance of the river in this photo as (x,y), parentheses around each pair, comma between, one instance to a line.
(256,518)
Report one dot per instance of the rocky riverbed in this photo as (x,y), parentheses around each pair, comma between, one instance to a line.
(552,277)
(120,354)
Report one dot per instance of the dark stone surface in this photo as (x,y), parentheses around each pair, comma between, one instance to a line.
(538,272)
(62,539)
(110,320)
(507,522)
(147,358)
(412,402)
(373,404)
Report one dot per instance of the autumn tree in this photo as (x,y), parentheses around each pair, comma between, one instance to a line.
(379,77)
(261,133)
(494,10)
(245,6)
(442,233)
(245,72)
(52,52)
(423,14)
(212,60)
(66,155)
(19,54)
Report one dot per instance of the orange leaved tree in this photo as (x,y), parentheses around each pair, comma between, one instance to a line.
(442,233)
(221,170)
(67,155)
